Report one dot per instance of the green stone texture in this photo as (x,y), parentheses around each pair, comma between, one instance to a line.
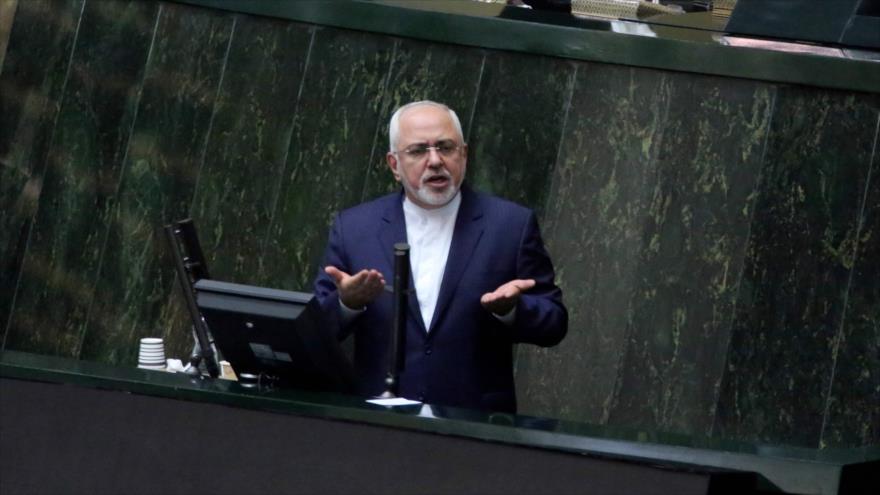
(797,279)
(82,174)
(248,145)
(717,239)
(164,152)
(517,126)
(31,83)
(853,416)
(694,233)
(593,225)
(333,136)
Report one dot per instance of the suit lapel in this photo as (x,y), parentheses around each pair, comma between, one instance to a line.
(465,237)
(393,230)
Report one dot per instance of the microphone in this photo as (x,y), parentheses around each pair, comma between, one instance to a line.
(397,352)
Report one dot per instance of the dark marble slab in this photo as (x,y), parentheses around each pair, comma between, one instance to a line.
(595,216)
(31,82)
(239,181)
(423,71)
(164,153)
(854,404)
(82,176)
(693,244)
(334,132)
(515,136)
(793,293)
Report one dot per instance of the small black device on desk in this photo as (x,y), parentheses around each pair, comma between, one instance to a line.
(274,336)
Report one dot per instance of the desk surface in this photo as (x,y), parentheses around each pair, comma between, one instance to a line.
(790,469)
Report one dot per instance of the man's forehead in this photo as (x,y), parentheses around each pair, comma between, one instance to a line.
(426,119)
(425,114)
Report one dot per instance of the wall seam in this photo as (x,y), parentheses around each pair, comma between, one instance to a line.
(479,84)
(759,183)
(566,109)
(42,174)
(664,96)
(210,129)
(839,337)
(115,198)
(379,119)
(288,139)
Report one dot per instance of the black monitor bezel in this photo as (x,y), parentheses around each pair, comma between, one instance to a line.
(289,322)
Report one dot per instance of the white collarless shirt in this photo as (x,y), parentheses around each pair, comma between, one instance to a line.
(429,235)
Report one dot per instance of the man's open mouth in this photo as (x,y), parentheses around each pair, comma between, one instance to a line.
(437,181)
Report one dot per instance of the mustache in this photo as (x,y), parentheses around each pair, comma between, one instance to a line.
(429,174)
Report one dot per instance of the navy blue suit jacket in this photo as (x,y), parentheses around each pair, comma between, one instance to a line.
(466,359)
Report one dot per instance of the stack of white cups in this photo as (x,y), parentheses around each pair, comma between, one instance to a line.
(152,354)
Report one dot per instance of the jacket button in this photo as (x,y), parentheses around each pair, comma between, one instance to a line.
(427,350)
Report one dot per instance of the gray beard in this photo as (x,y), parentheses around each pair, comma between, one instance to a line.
(434,199)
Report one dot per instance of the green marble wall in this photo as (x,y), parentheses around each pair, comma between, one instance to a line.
(30,97)
(717,239)
(801,300)
(166,147)
(97,107)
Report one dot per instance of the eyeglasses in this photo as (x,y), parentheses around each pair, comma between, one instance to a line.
(418,151)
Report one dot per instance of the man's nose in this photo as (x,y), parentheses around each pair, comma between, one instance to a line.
(434,158)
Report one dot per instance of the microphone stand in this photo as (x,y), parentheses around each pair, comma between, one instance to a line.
(398,335)
(187,269)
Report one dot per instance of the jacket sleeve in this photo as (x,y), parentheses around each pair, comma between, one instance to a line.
(541,317)
(325,288)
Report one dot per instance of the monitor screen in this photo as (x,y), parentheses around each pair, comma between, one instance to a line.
(277,335)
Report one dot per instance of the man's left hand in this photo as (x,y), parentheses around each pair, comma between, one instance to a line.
(504,298)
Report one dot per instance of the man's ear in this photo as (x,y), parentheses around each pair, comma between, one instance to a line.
(392,164)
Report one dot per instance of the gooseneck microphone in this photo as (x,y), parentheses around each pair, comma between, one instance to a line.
(397,352)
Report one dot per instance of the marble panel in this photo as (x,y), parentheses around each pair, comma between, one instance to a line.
(238,184)
(792,296)
(423,71)
(81,179)
(334,132)
(30,93)
(514,138)
(594,228)
(164,153)
(691,255)
(853,417)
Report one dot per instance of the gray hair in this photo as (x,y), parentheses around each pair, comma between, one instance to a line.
(394,124)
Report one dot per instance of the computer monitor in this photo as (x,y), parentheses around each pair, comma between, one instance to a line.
(277,335)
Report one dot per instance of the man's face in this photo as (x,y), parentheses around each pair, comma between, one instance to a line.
(431,177)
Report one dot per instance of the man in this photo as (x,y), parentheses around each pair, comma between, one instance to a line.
(481,276)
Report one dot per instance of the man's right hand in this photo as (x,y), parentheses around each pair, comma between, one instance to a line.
(358,290)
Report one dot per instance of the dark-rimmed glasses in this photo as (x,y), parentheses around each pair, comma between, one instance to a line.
(445,148)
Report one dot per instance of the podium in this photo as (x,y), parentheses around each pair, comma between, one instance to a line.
(78,427)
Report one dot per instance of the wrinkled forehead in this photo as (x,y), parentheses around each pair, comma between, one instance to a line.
(427,123)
